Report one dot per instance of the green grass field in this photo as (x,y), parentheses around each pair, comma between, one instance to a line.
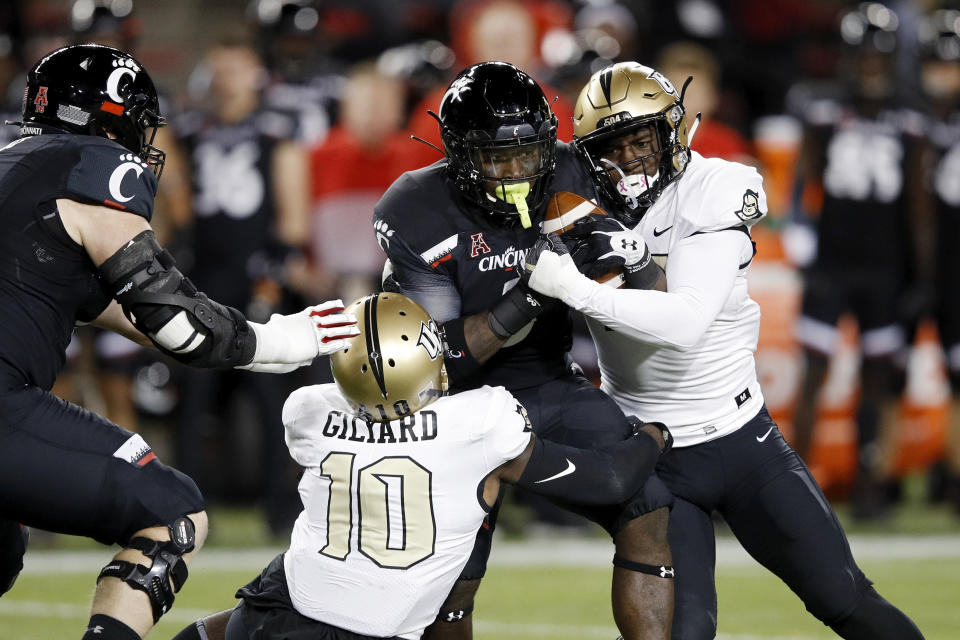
(527,602)
(545,588)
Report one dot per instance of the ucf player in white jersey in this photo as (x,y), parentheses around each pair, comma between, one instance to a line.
(685,356)
(398,479)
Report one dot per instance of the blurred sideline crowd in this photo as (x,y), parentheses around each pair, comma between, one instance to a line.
(297,116)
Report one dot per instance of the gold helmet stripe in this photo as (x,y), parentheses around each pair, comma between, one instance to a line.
(373,342)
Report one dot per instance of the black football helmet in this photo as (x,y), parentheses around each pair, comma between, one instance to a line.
(500,139)
(869,31)
(95,90)
(938,34)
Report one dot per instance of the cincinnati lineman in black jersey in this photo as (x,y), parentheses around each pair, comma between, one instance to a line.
(456,233)
(76,247)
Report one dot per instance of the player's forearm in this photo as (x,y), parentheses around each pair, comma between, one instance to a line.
(481,341)
(703,269)
(675,320)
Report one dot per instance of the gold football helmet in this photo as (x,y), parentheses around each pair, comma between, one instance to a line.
(395,366)
(630,128)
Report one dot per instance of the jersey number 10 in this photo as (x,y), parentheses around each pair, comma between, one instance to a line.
(395,524)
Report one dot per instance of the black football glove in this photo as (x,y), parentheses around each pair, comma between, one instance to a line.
(609,244)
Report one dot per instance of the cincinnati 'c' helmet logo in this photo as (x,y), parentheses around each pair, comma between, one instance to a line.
(122,67)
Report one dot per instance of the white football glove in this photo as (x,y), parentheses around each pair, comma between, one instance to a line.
(557,276)
(295,340)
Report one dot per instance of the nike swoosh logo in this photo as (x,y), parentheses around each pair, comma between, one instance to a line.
(764,436)
(659,232)
(570,469)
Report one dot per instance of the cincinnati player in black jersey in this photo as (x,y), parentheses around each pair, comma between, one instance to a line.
(76,246)
(865,150)
(250,206)
(456,233)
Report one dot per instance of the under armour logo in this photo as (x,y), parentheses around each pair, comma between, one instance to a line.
(533,302)
(455,615)
(666,572)
(631,244)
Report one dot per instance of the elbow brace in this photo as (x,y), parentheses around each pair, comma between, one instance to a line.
(608,475)
(168,309)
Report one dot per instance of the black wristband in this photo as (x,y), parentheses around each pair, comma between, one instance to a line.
(459,361)
(513,311)
(643,275)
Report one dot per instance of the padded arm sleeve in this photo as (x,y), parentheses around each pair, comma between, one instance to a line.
(168,309)
(608,475)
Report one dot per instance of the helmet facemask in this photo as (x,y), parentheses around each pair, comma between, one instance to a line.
(630,131)
(507,176)
(634,160)
(135,129)
(499,135)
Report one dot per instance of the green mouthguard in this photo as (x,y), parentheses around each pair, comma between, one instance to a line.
(516,194)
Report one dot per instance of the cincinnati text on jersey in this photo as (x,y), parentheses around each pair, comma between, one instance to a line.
(507,260)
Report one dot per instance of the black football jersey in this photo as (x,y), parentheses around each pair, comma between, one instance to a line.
(233,199)
(945,185)
(864,173)
(457,260)
(47,281)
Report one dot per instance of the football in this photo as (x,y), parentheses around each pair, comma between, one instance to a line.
(567,210)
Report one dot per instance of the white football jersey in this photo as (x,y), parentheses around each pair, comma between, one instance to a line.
(391,510)
(709,389)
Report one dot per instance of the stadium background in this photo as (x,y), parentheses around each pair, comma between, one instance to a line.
(759,49)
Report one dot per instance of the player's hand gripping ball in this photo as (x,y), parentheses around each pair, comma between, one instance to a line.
(584,228)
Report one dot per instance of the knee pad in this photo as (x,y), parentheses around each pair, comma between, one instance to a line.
(167,565)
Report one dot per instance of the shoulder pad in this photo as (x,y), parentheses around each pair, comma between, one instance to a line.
(506,429)
(571,174)
(304,416)
(109,175)
(418,208)
(716,194)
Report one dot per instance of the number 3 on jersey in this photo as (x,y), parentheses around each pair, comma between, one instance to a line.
(395,524)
